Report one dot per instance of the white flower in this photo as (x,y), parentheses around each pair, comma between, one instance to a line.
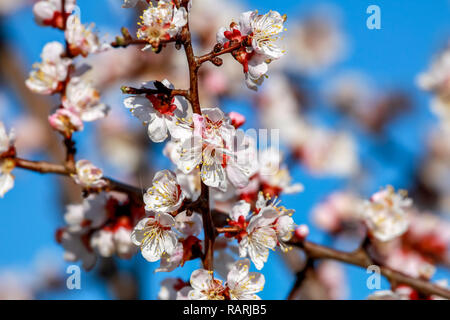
(217,150)
(125,248)
(385,214)
(65,121)
(437,80)
(205,287)
(261,237)
(6,165)
(91,213)
(49,12)
(170,262)
(316,44)
(243,284)
(80,97)
(51,72)
(76,249)
(327,152)
(275,175)
(88,176)
(337,210)
(82,40)
(102,241)
(241,208)
(259,33)
(165,195)
(272,225)
(264,32)
(173,289)
(189,225)
(190,183)
(6,178)
(161,22)
(155,236)
(160,114)
(6,140)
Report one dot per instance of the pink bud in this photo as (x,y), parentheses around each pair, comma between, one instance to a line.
(237,119)
(65,121)
(302,231)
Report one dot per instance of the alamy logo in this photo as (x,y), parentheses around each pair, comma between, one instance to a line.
(374,20)
(374,280)
(74,280)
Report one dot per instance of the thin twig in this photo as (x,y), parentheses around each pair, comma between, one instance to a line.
(215,53)
(193,97)
(47,167)
(361,258)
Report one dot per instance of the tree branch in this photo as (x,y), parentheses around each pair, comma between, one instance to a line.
(362,259)
(217,51)
(47,167)
(169,92)
(193,97)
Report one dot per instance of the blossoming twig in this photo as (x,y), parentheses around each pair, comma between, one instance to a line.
(127,40)
(48,167)
(361,258)
(217,51)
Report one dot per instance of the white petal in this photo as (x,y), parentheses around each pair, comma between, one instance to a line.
(6,183)
(157,129)
(165,219)
(242,208)
(200,279)
(140,107)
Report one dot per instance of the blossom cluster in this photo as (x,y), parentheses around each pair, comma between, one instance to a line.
(56,73)
(219,178)
(100,226)
(258,35)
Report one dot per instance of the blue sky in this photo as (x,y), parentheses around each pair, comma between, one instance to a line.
(412,31)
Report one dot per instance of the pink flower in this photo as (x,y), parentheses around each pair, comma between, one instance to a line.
(65,121)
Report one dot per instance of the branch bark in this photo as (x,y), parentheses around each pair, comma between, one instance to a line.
(362,259)
(193,97)
(48,167)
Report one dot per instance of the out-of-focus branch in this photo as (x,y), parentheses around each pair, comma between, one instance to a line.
(47,167)
(300,277)
(361,258)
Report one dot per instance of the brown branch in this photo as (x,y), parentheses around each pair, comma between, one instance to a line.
(362,259)
(70,153)
(126,40)
(41,166)
(234,229)
(169,92)
(217,51)
(193,97)
(125,43)
(47,167)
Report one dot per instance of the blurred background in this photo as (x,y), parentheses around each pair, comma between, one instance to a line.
(350,91)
